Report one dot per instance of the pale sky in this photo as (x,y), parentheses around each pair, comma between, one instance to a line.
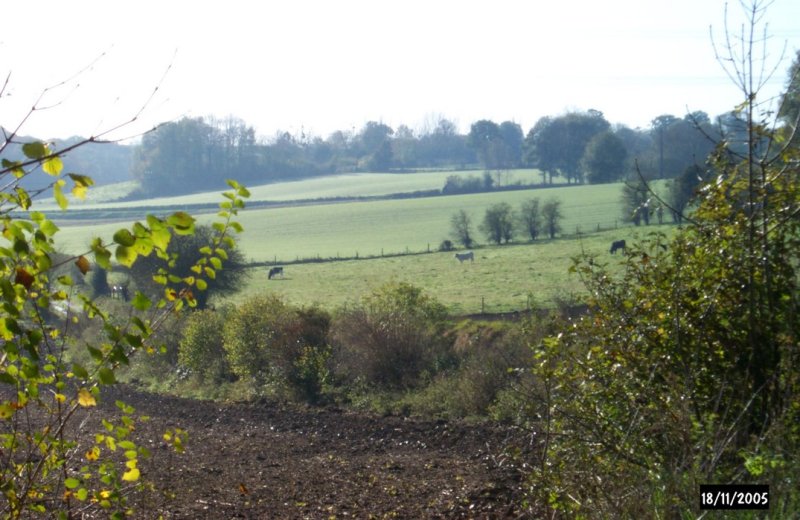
(324,65)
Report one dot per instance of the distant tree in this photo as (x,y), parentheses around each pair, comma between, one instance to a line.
(512,139)
(530,218)
(381,159)
(498,223)
(461,226)
(484,137)
(405,145)
(551,214)
(683,189)
(541,149)
(558,144)
(374,137)
(678,143)
(636,201)
(604,158)
(441,145)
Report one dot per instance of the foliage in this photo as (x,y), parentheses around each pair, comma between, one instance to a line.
(391,338)
(278,347)
(683,190)
(637,201)
(551,214)
(461,225)
(45,397)
(497,146)
(604,158)
(559,143)
(201,347)
(498,223)
(183,253)
(530,218)
(685,371)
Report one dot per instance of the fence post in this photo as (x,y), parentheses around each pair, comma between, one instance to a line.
(483,305)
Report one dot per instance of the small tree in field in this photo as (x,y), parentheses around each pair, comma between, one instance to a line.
(551,213)
(50,465)
(530,218)
(498,223)
(461,225)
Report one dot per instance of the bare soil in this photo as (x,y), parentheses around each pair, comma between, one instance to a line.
(271,460)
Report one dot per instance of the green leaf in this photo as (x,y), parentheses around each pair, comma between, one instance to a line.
(106,376)
(125,255)
(201,284)
(124,237)
(58,195)
(79,371)
(71,483)
(181,220)
(141,302)
(35,150)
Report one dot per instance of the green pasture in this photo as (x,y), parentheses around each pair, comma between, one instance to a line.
(328,187)
(382,227)
(385,227)
(367,236)
(501,279)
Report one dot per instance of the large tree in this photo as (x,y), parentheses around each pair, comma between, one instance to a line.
(558,144)
(604,158)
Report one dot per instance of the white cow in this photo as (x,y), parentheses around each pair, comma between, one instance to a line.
(462,257)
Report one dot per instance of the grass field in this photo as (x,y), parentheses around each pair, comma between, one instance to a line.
(501,279)
(328,187)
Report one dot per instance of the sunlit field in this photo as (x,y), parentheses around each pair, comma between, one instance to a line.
(501,279)
(366,236)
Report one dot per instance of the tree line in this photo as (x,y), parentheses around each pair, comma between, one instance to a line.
(195,154)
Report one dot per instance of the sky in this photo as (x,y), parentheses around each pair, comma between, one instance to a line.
(117,68)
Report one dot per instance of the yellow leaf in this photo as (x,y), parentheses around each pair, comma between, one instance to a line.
(6,411)
(93,454)
(60,398)
(85,398)
(132,475)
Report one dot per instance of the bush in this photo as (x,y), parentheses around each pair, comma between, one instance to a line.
(201,348)
(391,339)
(278,347)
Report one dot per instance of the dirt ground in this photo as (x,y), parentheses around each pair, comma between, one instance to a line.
(267,460)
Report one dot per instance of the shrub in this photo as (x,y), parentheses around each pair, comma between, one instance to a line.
(392,338)
(201,348)
(278,347)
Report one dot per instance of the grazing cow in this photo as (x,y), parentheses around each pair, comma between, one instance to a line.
(617,244)
(462,257)
(275,271)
